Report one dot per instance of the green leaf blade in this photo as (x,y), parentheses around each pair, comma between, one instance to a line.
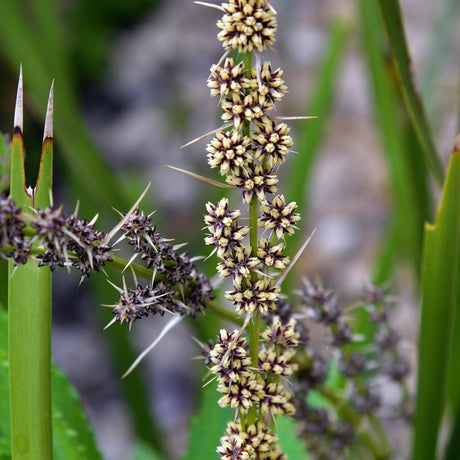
(440,297)
(392,19)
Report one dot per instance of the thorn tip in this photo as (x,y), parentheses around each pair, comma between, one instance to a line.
(48,131)
(19,108)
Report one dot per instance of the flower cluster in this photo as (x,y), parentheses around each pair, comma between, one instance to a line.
(256,442)
(247,25)
(230,362)
(177,286)
(55,240)
(59,240)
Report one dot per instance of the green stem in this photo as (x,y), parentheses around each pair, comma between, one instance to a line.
(254,325)
(29,318)
(29,340)
(254,328)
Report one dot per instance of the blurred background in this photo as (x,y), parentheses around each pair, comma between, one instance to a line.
(130,89)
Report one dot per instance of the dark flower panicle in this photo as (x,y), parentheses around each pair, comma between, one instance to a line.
(359,366)
(62,240)
(387,340)
(88,244)
(12,240)
(180,289)
(143,301)
(327,437)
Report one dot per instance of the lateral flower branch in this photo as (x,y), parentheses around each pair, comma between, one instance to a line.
(46,235)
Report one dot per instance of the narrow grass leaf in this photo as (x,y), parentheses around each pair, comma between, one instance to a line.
(440,300)
(4,385)
(402,151)
(392,19)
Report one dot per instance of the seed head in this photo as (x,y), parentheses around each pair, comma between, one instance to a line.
(276,362)
(256,179)
(261,295)
(229,78)
(229,357)
(242,394)
(229,151)
(279,216)
(238,266)
(270,84)
(276,400)
(220,217)
(247,25)
(272,256)
(283,335)
(271,142)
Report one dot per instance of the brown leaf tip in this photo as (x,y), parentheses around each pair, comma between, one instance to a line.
(17,131)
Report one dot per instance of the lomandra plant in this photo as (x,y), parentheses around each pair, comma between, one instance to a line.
(266,365)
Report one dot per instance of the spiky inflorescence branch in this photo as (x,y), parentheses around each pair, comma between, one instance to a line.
(54,240)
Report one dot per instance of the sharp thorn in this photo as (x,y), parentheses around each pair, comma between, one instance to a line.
(48,131)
